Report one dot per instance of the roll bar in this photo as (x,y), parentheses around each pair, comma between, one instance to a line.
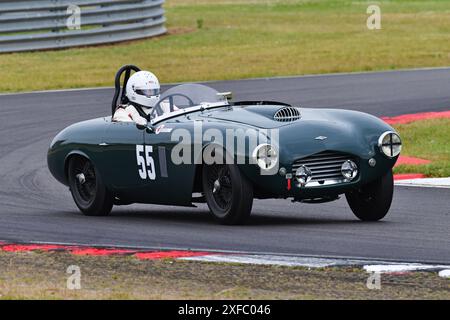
(121,90)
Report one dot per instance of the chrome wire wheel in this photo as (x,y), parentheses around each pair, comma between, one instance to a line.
(219,182)
(85,180)
(228,193)
(89,192)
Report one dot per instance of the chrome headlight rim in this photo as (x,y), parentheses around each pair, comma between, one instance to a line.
(306,174)
(353,167)
(274,158)
(380,144)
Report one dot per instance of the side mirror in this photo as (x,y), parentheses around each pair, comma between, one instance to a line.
(150,129)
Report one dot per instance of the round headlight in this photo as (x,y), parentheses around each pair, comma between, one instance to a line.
(303,175)
(265,156)
(349,170)
(390,144)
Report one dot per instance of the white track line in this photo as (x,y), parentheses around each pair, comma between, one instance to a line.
(444,273)
(313,262)
(390,268)
(309,262)
(425,182)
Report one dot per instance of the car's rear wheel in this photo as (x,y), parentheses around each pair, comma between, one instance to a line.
(88,191)
(372,201)
(228,193)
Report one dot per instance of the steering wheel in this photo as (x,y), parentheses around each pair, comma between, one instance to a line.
(158,111)
(121,90)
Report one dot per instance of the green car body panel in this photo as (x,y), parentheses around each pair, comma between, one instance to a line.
(111,146)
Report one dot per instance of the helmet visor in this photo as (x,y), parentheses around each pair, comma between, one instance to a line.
(148,92)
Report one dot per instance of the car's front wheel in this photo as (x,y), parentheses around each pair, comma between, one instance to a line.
(88,191)
(228,193)
(372,201)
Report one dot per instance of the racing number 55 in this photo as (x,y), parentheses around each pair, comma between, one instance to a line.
(145,162)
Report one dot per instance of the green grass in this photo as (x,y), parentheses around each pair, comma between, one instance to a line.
(427,139)
(233,39)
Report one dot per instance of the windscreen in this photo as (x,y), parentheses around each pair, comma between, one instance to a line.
(189,95)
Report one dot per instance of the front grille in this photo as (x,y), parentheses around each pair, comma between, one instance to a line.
(325,166)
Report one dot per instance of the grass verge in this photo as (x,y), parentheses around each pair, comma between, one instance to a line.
(234,39)
(427,139)
(36,275)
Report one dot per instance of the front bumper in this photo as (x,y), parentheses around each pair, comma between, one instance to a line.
(278,186)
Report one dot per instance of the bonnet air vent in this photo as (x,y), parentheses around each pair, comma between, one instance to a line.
(287,114)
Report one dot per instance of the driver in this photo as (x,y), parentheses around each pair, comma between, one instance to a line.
(143,92)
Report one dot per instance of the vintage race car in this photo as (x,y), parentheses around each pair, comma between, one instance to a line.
(224,153)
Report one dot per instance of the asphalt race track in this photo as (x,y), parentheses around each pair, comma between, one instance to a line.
(34,207)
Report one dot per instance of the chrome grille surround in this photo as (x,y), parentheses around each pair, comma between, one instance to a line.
(287,114)
(325,167)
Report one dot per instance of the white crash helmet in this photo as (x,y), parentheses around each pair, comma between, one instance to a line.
(143,88)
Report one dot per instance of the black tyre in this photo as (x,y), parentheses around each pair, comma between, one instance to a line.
(228,193)
(372,201)
(88,191)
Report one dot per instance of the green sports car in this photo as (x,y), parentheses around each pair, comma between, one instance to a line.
(209,149)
